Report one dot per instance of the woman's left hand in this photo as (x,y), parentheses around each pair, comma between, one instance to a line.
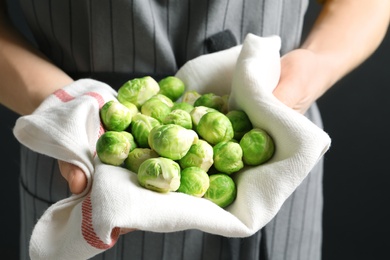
(302,80)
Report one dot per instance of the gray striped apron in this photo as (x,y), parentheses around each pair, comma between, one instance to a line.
(114,41)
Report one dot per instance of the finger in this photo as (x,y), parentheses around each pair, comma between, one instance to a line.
(76,178)
(126,230)
(283,93)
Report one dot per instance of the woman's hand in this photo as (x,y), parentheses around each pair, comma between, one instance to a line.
(335,46)
(303,79)
(76,178)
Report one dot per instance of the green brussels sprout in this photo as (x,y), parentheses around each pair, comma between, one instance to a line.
(211,100)
(137,156)
(178,117)
(155,108)
(172,141)
(198,112)
(215,127)
(159,174)
(166,100)
(222,190)
(257,147)
(240,122)
(183,106)
(133,108)
(200,155)
(194,181)
(190,97)
(140,128)
(115,116)
(172,87)
(228,157)
(138,90)
(131,139)
(112,148)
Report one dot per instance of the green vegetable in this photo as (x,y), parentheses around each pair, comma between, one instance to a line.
(141,127)
(172,141)
(137,156)
(215,127)
(112,148)
(138,90)
(194,181)
(222,190)
(115,116)
(228,157)
(159,174)
(240,122)
(190,97)
(183,106)
(211,100)
(198,112)
(131,140)
(178,117)
(257,146)
(200,155)
(156,108)
(133,108)
(166,100)
(172,87)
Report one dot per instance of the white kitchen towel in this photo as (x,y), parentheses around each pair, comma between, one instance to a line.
(66,126)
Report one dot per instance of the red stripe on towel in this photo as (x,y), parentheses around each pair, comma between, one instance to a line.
(63,95)
(87,228)
(98,98)
(88,231)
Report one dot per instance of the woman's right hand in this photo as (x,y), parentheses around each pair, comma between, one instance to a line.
(76,178)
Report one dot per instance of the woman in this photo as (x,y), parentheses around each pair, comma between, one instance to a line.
(118,40)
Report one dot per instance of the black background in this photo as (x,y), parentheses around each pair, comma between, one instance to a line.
(356,115)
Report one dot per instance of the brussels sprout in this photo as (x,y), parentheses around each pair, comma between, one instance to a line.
(138,90)
(133,108)
(159,174)
(155,108)
(190,97)
(183,106)
(194,181)
(131,140)
(178,117)
(172,141)
(140,128)
(166,100)
(240,122)
(198,112)
(172,87)
(200,155)
(215,127)
(112,148)
(228,157)
(211,100)
(257,146)
(115,116)
(222,190)
(137,156)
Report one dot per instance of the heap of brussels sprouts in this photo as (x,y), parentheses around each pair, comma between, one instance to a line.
(191,146)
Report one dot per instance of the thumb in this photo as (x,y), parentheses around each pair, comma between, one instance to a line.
(76,178)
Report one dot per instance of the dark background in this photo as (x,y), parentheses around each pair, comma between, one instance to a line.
(356,115)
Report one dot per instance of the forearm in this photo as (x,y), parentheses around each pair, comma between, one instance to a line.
(346,33)
(27,77)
